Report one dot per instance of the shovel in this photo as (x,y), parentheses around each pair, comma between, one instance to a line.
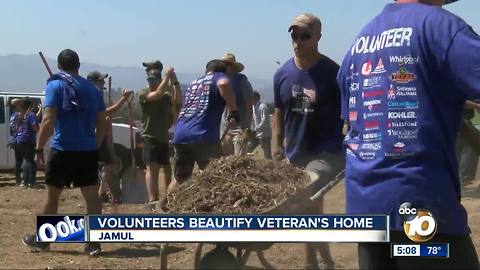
(133,183)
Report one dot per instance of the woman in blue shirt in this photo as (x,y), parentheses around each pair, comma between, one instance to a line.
(24,126)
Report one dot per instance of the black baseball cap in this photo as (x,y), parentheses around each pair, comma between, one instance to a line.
(96,76)
(68,60)
(153,64)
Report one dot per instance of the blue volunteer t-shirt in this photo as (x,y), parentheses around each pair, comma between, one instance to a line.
(404,83)
(24,130)
(310,100)
(75,130)
(199,119)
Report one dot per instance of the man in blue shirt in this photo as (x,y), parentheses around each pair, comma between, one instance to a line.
(106,152)
(75,114)
(404,83)
(197,131)
(235,141)
(307,114)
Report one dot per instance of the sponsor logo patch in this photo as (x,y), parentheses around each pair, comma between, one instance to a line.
(402,76)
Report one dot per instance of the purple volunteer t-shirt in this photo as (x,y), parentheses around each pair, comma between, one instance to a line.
(310,100)
(24,130)
(199,119)
(404,82)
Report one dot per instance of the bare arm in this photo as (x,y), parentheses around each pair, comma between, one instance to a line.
(278,134)
(249,101)
(177,91)
(46,127)
(162,87)
(119,103)
(101,127)
(176,96)
(226,92)
(39,112)
(472,105)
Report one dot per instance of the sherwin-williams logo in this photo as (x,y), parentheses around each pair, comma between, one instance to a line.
(406,91)
(391,93)
(419,225)
(402,76)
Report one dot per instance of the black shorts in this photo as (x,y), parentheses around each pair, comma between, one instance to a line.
(154,151)
(378,255)
(67,167)
(187,154)
(106,153)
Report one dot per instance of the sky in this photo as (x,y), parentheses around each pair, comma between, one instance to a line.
(186,34)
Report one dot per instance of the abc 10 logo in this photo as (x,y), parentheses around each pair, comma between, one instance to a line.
(419,225)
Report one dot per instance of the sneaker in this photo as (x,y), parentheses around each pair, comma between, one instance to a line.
(151,206)
(22,185)
(30,241)
(93,249)
(32,186)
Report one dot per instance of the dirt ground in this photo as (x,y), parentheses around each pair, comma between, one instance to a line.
(18,208)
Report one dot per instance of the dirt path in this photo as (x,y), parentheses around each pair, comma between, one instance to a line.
(18,207)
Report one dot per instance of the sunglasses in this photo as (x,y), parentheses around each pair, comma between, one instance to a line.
(303,36)
(153,80)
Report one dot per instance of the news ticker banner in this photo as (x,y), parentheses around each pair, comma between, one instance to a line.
(421,250)
(213,228)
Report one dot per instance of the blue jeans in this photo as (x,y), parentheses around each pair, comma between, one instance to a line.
(25,167)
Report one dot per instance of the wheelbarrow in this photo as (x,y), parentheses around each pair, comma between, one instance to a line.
(221,258)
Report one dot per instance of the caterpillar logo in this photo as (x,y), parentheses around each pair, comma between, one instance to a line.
(419,225)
